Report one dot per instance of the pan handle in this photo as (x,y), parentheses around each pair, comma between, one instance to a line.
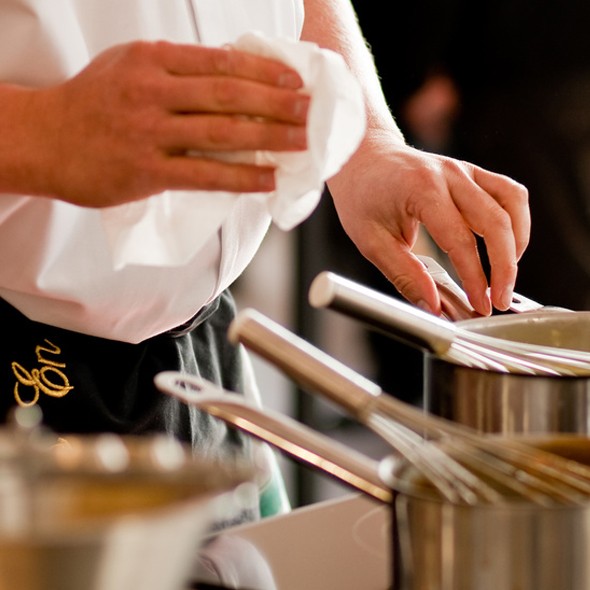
(289,436)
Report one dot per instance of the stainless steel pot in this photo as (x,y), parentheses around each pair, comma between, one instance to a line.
(513,546)
(105,512)
(508,403)
(484,398)
(436,545)
(440,545)
(492,402)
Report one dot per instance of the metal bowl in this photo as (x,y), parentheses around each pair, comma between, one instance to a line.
(106,512)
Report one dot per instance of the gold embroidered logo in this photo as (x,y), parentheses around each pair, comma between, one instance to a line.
(49,378)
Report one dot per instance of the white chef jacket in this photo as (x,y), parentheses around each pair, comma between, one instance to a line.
(55,265)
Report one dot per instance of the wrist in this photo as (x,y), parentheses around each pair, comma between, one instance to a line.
(25,141)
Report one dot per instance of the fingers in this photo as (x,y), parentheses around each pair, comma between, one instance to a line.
(216,133)
(137,115)
(407,274)
(235,96)
(260,111)
(513,198)
(192,60)
(507,235)
(491,206)
(451,209)
(499,213)
(456,202)
(184,172)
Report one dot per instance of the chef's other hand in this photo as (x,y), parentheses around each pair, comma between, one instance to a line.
(129,124)
(388,189)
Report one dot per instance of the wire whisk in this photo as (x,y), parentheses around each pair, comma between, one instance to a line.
(460,464)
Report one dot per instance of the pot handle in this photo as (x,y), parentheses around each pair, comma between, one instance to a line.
(280,431)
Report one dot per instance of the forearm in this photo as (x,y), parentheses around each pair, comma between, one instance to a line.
(333,24)
(388,189)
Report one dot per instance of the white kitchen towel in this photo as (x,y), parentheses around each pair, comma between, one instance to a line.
(170,228)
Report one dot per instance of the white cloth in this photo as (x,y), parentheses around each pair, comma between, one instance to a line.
(159,231)
(231,562)
(137,272)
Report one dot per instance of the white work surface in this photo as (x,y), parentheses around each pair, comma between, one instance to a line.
(337,544)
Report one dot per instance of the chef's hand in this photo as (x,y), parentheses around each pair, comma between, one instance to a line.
(388,189)
(122,129)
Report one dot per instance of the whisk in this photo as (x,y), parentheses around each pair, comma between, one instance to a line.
(447,340)
(464,466)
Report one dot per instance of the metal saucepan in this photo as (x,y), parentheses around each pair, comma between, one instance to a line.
(436,545)
(494,401)
(505,403)
(105,512)
(439,544)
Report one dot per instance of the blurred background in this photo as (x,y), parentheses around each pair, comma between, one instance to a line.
(503,84)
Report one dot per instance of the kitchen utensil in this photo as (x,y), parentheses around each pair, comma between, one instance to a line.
(513,545)
(537,476)
(455,304)
(103,512)
(494,402)
(456,307)
(452,480)
(289,436)
(435,544)
(444,338)
(508,403)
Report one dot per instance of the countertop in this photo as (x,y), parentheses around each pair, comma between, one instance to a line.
(336,544)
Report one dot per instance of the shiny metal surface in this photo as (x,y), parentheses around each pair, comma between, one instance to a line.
(458,476)
(438,545)
(289,436)
(105,512)
(441,546)
(450,341)
(493,402)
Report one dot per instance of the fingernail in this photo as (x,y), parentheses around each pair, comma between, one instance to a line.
(301,107)
(506,298)
(424,306)
(298,137)
(267,181)
(486,303)
(289,80)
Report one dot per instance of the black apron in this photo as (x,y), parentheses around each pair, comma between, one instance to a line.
(86,384)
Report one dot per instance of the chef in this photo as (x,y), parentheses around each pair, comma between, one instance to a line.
(118,243)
